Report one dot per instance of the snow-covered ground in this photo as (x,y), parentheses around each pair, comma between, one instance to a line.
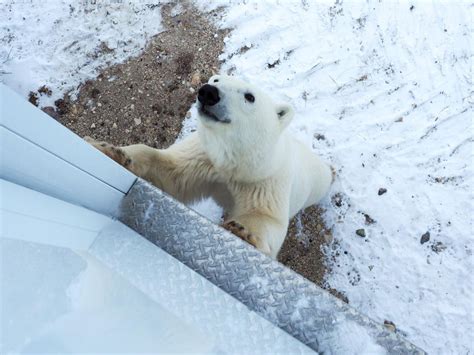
(62,43)
(388,85)
(382,90)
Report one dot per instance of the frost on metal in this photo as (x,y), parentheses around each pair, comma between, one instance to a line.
(285,298)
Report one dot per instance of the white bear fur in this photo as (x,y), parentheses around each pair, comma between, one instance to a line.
(250,164)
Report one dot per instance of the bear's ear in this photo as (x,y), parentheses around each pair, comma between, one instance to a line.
(285,114)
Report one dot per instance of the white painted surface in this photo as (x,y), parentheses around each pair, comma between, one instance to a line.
(28,164)
(56,302)
(32,216)
(34,125)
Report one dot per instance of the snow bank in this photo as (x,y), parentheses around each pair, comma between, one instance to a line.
(382,90)
(61,44)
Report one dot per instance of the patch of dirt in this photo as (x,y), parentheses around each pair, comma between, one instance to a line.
(301,250)
(145,99)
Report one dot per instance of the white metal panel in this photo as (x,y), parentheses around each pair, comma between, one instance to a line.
(29,215)
(34,125)
(27,164)
(55,301)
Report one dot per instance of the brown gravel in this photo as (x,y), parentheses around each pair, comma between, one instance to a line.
(301,250)
(145,99)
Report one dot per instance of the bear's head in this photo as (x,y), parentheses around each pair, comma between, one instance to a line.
(241,127)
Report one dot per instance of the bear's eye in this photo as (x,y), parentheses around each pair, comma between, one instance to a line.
(249,97)
(216,80)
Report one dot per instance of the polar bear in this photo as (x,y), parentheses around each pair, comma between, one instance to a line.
(243,157)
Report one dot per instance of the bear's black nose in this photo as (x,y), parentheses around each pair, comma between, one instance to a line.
(208,95)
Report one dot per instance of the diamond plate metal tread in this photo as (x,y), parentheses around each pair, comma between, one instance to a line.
(283,297)
(227,323)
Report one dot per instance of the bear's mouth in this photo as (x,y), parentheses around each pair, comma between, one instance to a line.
(208,114)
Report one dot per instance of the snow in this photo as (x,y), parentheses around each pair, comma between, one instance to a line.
(389,87)
(351,339)
(63,43)
(209,209)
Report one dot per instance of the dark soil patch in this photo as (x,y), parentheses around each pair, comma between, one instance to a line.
(301,250)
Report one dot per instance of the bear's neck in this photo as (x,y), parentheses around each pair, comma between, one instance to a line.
(241,159)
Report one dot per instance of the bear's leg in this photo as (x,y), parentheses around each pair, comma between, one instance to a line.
(182,170)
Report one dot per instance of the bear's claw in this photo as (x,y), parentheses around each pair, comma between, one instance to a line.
(113,152)
(240,231)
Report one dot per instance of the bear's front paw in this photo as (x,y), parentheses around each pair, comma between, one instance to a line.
(241,232)
(113,152)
